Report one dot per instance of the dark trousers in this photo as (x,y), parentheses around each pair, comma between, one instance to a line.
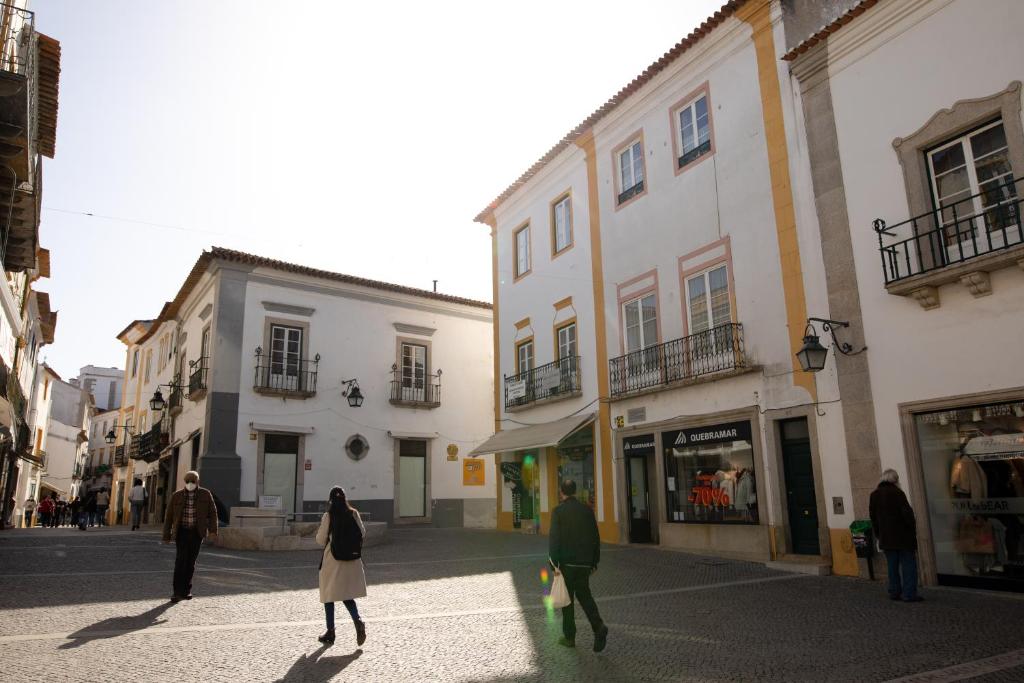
(577,581)
(902,573)
(188,542)
(350,605)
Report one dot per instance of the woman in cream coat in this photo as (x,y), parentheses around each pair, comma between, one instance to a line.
(342,578)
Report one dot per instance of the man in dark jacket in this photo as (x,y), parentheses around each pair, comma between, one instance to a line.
(191,516)
(894,525)
(575,549)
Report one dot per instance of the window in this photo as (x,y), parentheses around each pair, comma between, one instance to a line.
(641,323)
(522,249)
(631,171)
(46,386)
(561,224)
(414,371)
(135,363)
(285,356)
(161,360)
(693,123)
(149,365)
(971,183)
(707,299)
(524,357)
(204,347)
(567,341)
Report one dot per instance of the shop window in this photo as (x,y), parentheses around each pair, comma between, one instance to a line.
(709,474)
(576,462)
(973,464)
(521,478)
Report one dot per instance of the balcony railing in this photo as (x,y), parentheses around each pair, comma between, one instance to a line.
(719,349)
(120,457)
(986,223)
(416,390)
(197,377)
(17,28)
(147,445)
(292,377)
(553,380)
(174,400)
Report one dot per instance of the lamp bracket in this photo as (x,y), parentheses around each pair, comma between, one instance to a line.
(830,326)
(349,383)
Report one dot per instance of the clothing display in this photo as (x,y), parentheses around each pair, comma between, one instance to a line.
(745,496)
(968,478)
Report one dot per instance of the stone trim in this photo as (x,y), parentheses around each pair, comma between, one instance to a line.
(290,309)
(406,328)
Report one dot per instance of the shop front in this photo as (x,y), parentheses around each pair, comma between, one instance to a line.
(971,459)
(694,486)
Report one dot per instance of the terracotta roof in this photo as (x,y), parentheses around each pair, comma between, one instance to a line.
(727,10)
(830,28)
(47,317)
(47,93)
(171,308)
(132,324)
(43,259)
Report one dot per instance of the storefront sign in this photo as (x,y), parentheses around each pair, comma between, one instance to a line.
(515,390)
(638,445)
(473,472)
(698,436)
(1005,506)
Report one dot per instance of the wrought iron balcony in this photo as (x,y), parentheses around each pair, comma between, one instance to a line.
(120,457)
(197,370)
(560,379)
(17,29)
(147,445)
(415,390)
(981,227)
(719,349)
(174,400)
(285,377)
(631,192)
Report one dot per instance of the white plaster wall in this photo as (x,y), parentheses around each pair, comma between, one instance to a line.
(193,414)
(888,77)
(356,338)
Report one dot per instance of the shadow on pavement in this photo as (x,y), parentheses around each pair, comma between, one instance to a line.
(117,626)
(316,667)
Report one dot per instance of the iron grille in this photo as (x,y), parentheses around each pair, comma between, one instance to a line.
(409,388)
(197,375)
(559,378)
(285,376)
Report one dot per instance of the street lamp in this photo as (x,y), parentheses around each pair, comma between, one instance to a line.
(812,354)
(355,397)
(111,436)
(157,403)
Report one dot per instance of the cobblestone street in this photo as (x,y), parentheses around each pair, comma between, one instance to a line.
(456,605)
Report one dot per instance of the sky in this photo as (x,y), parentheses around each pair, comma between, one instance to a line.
(360,138)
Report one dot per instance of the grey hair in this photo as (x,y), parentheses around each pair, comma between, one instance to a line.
(191,474)
(890,476)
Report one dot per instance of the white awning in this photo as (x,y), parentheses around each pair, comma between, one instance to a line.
(534,436)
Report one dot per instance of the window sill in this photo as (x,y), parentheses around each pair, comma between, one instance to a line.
(973,274)
(284,393)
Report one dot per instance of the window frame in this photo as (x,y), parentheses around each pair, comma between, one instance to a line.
(705,274)
(675,110)
(516,275)
(555,203)
(628,144)
(520,344)
(564,325)
(269,323)
(135,363)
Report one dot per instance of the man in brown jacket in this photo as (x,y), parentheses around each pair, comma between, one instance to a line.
(191,516)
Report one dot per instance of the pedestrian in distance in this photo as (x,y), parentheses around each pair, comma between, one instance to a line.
(191,517)
(11,504)
(342,578)
(102,503)
(45,509)
(90,508)
(30,509)
(137,497)
(76,512)
(895,526)
(574,549)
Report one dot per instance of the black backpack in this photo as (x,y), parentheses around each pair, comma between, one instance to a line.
(347,542)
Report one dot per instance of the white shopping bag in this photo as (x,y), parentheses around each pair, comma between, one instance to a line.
(559,593)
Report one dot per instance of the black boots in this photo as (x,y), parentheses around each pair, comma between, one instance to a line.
(360,632)
(328,637)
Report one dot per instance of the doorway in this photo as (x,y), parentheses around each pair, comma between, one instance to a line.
(801,497)
(280,462)
(412,478)
(639,500)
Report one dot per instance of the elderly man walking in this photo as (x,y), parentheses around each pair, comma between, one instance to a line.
(574,547)
(191,516)
(893,520)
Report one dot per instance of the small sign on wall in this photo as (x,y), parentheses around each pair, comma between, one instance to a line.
(273,502)
(473,472)
(309,464)
(453,452)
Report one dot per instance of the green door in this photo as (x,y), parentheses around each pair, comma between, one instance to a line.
(801,500)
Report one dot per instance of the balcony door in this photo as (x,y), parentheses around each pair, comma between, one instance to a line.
(567,359)
(285,358)
(709,346)
(414,372)
(643,363)
(973,188)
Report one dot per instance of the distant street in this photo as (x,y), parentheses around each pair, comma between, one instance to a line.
(456,605)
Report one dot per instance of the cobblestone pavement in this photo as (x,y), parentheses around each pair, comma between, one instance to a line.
(460,605)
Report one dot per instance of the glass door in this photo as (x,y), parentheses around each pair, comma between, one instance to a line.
(280,466)
(709,345)
(639,500)
(285,357)
(412,478)
(643,366)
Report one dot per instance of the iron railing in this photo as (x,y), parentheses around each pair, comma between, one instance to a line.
(197,375)
(719,349)
(954,233)
(135,446)
(17,32)
(280,375)
(174,400)
(409,388)
(560,378)
(695,153)
(120,457)
(631,192)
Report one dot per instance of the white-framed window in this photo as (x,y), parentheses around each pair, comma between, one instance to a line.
(567,341)
(561,223)
(522,249)
(135,363)
(204,348)
(524,357)
(707,299)
(285,356)
(641,317)
(149,365)
(694,129)
(414,371)
(972,185)
(631,171)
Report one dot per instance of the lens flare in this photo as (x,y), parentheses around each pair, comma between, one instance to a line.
(545,576)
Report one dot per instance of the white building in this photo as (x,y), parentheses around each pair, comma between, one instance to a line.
(913,106)
(256,394)
(105,385)
(99,469)
(67,439)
